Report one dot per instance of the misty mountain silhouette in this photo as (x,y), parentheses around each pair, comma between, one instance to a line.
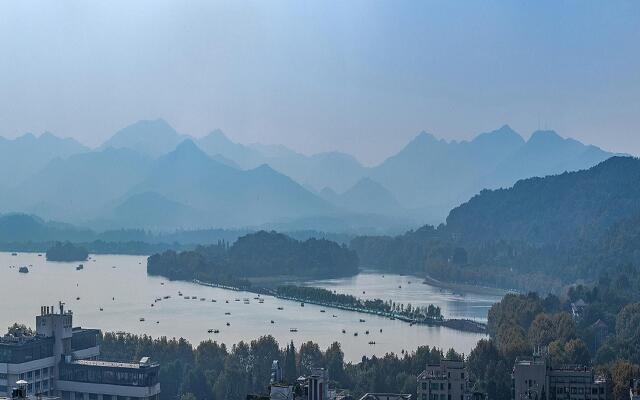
(215,182)
(25,155)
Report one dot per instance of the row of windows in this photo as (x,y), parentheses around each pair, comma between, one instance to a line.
(434,396)
(93,396)
(579,390)
(109,376)
(439,386)
(36,374)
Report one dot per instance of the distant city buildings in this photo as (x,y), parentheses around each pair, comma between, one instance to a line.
(535,379)
(60,360)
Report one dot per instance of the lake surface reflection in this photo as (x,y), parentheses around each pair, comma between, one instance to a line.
(120,286)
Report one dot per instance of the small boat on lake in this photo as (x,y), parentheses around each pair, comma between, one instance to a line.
(141,319)
(280,308)
(361,320)
(14,254)
(293,330)
(227,313)
(79,267)
(322,311)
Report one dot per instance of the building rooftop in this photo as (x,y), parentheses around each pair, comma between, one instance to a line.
(432,374)
(114,364)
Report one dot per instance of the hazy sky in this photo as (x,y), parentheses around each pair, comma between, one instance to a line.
(358,76)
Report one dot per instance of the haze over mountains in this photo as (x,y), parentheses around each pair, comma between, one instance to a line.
(148,175)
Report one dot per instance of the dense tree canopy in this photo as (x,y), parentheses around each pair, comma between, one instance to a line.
(261,254)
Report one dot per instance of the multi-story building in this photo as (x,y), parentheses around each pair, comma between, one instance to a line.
(534,379)
(444,381)
(59,360)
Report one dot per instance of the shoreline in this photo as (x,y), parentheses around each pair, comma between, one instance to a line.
(464,325)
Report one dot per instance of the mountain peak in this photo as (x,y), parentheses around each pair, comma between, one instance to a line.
(545,136)
(218,134)
(503,134)
(424,137)
(187,146)
(151,137)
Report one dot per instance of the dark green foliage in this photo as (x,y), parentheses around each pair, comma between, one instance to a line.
(67,252)
(553,209)
(213,373)
(324,296)
(261,254)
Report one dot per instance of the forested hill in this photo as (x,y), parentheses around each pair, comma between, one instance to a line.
(560,208)
(540,234)
(260,254)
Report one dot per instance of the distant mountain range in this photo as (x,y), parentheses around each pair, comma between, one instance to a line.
(149,175)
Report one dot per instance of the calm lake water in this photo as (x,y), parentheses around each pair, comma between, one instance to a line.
(120,285)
